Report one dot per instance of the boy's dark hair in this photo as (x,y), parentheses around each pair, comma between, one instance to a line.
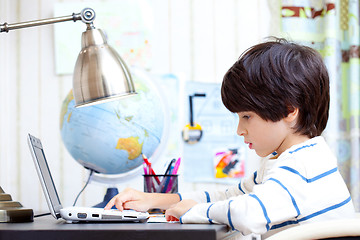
(273,78)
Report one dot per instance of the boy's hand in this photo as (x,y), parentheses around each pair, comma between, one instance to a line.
(176,211)
(130,199)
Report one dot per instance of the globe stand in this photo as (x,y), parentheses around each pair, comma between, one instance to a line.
(110,193)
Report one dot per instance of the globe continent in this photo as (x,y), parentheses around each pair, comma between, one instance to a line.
(110,137)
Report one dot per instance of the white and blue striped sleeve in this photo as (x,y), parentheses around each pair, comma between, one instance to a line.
(250,213)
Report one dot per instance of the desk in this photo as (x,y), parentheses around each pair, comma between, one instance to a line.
(48,228)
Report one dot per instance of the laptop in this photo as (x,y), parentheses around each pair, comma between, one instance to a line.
(74,214)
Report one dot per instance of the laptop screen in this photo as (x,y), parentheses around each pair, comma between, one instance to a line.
(44,174)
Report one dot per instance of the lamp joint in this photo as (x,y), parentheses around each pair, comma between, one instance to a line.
(4,27)
(87,15)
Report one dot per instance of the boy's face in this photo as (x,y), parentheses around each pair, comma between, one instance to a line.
(265,137)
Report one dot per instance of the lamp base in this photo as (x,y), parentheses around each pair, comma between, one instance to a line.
(13,212)
(110,193)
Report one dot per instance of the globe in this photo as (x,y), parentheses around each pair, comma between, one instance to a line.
(111,137)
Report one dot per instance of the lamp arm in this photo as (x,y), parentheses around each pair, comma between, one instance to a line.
(87,15)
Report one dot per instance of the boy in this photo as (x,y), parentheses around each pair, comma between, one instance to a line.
(280,91)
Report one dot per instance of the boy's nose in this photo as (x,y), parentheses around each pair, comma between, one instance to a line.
(241,131)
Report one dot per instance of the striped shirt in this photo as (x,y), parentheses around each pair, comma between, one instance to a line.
(302,185)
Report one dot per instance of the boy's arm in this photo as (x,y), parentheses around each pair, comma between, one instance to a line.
(253,212)
(245,213)
(164,200)
(141,201)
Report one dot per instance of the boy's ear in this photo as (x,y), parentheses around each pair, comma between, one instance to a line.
(292,116)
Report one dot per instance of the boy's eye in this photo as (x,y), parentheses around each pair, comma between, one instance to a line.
(246,117)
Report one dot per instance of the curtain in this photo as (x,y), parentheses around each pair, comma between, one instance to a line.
(332,27)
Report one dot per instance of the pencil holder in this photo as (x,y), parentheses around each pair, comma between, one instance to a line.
(161,183)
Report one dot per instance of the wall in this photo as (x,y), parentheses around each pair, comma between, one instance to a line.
(197,39)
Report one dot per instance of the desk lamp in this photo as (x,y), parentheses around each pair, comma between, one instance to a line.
(100,75)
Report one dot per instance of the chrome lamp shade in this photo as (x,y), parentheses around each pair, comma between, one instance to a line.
(100,74)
